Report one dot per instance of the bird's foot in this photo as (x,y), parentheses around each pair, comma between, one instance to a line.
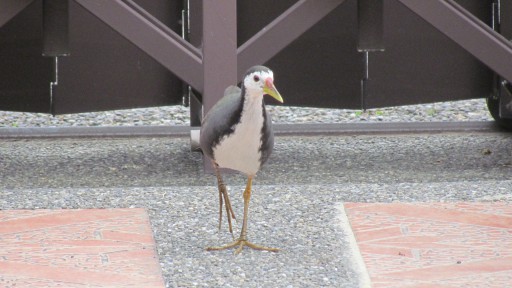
(241,243)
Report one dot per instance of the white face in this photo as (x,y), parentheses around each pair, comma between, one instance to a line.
(255,82)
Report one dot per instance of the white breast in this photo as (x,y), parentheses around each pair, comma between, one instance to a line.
(241,149)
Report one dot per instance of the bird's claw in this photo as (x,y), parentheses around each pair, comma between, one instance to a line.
(241,243)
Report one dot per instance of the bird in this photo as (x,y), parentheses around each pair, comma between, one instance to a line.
(237,133)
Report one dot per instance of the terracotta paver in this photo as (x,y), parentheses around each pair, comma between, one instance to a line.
(77,248)
(406,245)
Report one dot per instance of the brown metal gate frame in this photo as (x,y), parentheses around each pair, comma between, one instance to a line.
(200,67)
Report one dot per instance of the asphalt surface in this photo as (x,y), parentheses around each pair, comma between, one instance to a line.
(296,203)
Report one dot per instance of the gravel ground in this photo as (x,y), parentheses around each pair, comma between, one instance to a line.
(146,162)
(295,205)
(467,110)
(297,195)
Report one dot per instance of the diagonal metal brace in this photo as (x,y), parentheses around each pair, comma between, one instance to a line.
(150,35)
(468,31)
(282,31)
(11,8)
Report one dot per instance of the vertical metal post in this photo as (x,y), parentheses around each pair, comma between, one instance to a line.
(370,37)
(370,25)
(219,52)
(219,49)
(55,28)
(194,36)
(504,92)
(55,37)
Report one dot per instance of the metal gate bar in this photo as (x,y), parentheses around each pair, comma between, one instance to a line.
(186,61)
(468,31)
(219,49)
(199,63)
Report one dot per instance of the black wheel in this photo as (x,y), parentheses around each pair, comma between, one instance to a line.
(493,104)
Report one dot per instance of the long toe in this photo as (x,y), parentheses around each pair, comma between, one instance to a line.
(240,244)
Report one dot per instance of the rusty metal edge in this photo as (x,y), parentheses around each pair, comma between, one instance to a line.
(341,129)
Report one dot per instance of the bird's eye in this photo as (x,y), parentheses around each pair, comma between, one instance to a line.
(256,78)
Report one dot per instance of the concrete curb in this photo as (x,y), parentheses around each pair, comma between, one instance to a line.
(280,130)
(356,259)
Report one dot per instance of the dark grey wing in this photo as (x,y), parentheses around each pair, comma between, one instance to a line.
(219,121)
(267,141)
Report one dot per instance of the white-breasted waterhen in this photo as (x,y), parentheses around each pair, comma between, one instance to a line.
(237,133)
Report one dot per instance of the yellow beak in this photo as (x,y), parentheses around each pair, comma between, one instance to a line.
(271,90)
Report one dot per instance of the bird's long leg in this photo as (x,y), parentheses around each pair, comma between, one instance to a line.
(223,198)
(242,241)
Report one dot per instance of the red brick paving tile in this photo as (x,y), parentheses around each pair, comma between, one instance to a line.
(372,234)
(417,242)
(454,271)
(128,237)
(60,218)
(385,250)
(77,248)
(441,244)
(443,214)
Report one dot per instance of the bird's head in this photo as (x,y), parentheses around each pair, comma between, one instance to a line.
(259,80)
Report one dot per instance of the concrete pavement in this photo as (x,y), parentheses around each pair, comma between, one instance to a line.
(296,205)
